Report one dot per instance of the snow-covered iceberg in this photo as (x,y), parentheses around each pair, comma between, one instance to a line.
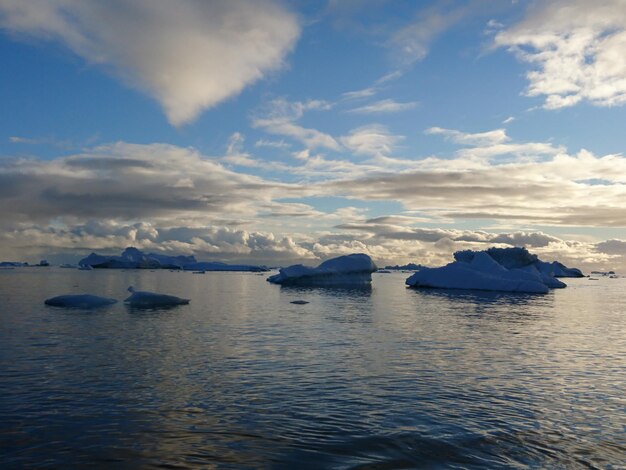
(496,269)
(79,301)
(142,299)
(355,269)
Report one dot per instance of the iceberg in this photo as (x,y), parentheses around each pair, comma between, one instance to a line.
(355,269)
(12,264)
(496,269)
(133,258)
(142,299)
(79,301)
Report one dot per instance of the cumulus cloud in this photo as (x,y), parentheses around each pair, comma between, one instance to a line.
(577,51)
(108,236)
(189,55)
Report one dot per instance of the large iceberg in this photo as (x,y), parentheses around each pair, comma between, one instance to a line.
(355,269)
(79,301)
(496,269)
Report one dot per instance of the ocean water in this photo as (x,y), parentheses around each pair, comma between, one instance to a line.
(378,378)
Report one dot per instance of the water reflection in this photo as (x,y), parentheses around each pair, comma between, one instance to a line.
(138,309)
(382,377)
(332,291)
(481,297)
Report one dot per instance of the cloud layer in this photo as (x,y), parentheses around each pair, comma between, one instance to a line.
(189,55)
(577,51)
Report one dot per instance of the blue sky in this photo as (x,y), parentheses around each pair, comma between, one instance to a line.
(293,131)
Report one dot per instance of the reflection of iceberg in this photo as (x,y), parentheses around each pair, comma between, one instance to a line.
(142,299)
(355,269)
(79,301)
(496,269)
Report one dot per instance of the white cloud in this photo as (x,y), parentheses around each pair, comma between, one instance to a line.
(384,106)
(536,184)
(189,55)
(494,137)
(372,140)
(495,143)
(279,117)
(577,50)
(412,42)
(277,144)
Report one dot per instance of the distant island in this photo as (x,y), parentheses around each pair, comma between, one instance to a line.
(133,258)
(405,267)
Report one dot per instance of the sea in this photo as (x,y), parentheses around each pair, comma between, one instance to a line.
(366,378)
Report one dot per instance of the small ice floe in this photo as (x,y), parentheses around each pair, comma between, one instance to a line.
(142,299)
(79,301)
(299,302)
(355,269)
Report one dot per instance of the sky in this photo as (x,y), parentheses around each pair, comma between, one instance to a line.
(280,132)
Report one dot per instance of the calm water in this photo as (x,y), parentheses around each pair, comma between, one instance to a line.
(380,378)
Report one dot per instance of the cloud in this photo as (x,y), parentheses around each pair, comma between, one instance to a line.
(189,55)
(411,43)
(372,140)
(107,236)
(384,106)
(577,53)
(279,117)
(358,94)
(128,181)
(496,136)
(495,143)
(277,144)
(556,189)
(384,229)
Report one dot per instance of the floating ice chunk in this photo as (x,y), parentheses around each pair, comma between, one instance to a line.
(79,301)
(355,269)
(144,299)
